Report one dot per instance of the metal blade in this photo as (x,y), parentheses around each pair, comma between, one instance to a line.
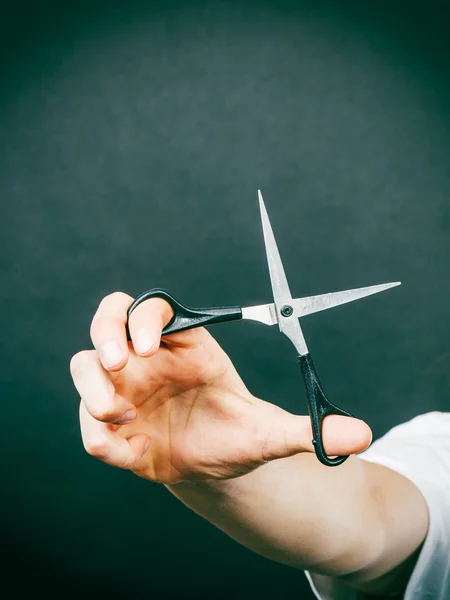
(280,287)
(288,323)
(312,304)
(266,313)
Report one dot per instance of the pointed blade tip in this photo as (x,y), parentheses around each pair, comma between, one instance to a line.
(262,206)
(384,286)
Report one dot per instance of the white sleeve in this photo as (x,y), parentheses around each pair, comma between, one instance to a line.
(419,450)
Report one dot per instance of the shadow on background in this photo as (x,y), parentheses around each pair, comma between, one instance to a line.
(133,138)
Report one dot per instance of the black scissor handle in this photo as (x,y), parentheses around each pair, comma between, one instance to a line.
(319,407)
(184,317)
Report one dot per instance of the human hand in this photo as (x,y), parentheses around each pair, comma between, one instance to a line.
(175,409)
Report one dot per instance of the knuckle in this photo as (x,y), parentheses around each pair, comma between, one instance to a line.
(79,360)
(96,447)
(144,310)
(126,462)
(114,300)
(109,414)
(112,308)
(96,325)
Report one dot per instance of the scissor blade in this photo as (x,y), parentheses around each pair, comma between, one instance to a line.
(312,304)
(280,287)
(267,314)
(288,324)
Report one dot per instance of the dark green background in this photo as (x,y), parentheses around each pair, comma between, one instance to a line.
(133,139)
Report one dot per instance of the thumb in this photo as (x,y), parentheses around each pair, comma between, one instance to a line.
(291,434)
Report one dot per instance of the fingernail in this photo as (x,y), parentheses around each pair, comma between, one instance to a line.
(128,417)
(146,446)
(111,354)
(143,341)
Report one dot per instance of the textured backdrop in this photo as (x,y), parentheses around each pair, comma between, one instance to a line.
(133,139)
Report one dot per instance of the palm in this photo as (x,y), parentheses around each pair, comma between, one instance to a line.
(200,417)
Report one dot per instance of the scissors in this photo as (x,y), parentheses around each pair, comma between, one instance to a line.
(285,312)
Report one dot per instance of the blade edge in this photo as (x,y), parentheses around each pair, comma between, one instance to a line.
(313,304)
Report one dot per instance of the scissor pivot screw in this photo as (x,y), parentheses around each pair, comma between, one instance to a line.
(286,310)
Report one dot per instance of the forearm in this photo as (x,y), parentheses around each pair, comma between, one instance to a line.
(295,511)
(359,522)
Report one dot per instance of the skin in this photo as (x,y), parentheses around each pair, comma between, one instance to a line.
(176,412)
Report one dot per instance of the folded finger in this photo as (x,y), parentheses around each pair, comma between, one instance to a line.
(97,391)
(106,445)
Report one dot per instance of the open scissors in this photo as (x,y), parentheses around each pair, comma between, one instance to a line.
(284,311)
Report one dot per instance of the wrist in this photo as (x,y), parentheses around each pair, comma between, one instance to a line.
(208,488)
